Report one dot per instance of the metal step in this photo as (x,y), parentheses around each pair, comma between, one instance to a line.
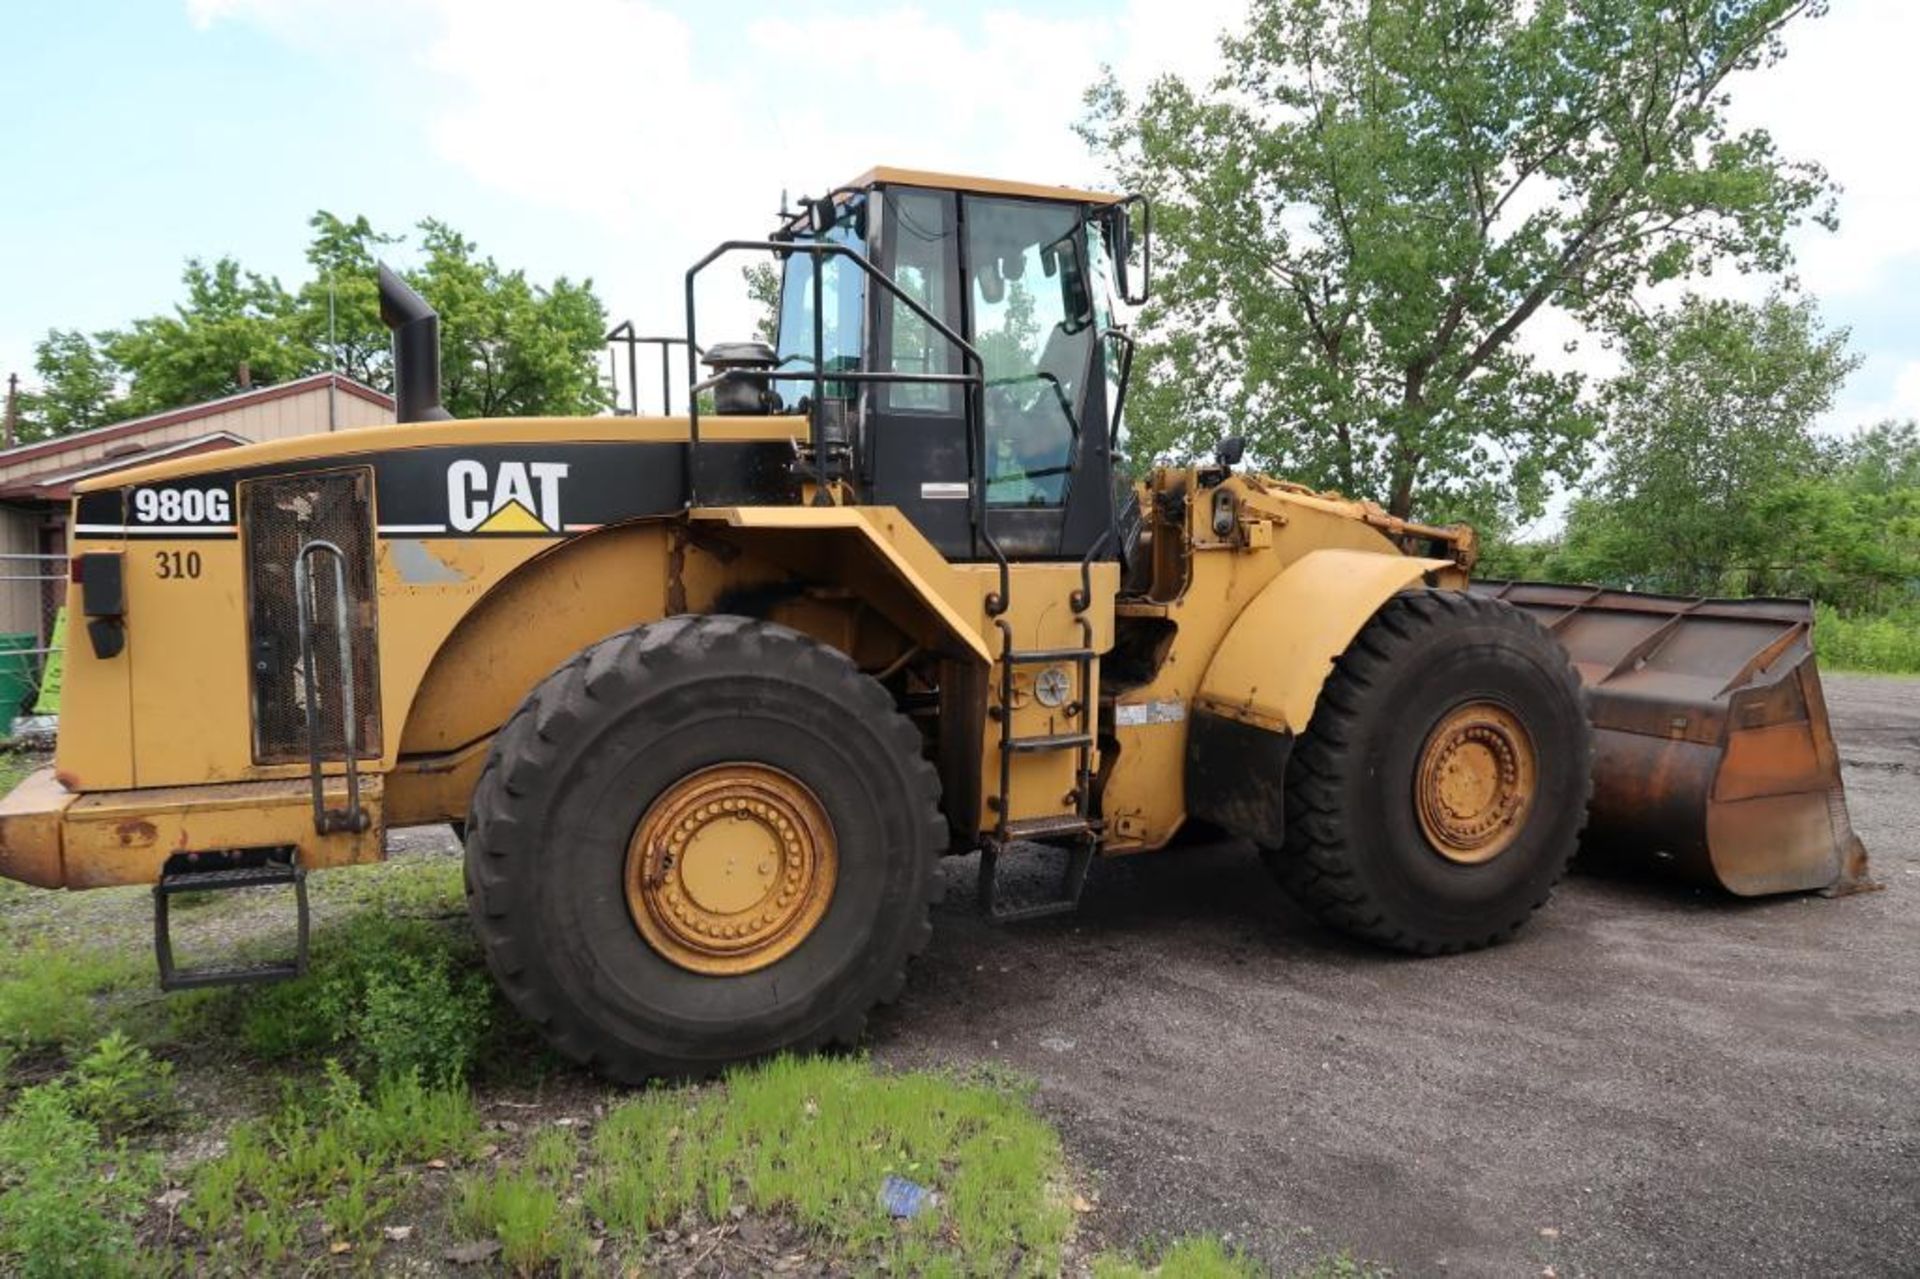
(1073,882)
(1034,656)
(228,879)
(1048,827)
(1050,742)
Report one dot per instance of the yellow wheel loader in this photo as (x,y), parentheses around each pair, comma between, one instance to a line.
(709,693)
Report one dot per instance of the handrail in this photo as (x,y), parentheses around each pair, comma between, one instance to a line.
(353,817)
(975,381)
(623,333)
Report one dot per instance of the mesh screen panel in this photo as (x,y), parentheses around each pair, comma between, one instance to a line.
(279,516)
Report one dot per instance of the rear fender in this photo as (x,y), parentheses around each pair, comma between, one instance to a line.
(1265,678)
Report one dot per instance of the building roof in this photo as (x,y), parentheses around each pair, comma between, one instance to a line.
(980,186)
(56,484)
(51,449)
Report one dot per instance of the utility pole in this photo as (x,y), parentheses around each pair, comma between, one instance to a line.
(10,430)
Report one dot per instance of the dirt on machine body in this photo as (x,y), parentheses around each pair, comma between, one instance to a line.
(708,693)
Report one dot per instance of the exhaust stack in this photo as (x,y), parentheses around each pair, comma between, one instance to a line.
(416,351)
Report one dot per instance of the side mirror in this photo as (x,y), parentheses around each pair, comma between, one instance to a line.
(821,215)
(1123,240)
(1229,451)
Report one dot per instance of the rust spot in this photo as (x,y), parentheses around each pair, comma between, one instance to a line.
(67,780)
(135,832)
(676,568)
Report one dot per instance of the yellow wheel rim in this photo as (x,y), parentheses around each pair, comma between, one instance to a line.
(1475,782)
(731,868)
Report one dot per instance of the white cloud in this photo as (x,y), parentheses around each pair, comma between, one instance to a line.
(674,131)
(1844,97)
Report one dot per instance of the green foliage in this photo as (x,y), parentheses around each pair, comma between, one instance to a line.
(1710,441)
(66,1202)
(763,290)
(814,1139)
(335,1148)
(390,994)
(509,347)
(231,321)
(339,308)
(535,1225)
(121,1088)
(1356,221)
(48,993)
(1889,644)
(1199,1257)
(77,387)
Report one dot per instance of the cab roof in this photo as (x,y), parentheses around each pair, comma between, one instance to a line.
(979,186)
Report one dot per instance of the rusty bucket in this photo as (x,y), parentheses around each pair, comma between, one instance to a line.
(1713,756)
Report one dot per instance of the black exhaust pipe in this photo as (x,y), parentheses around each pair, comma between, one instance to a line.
(416,351)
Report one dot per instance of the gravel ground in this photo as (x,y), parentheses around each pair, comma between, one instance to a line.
(1650,1080)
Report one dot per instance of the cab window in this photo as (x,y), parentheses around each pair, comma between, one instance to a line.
(842,292)
(923,255)
(1033,324)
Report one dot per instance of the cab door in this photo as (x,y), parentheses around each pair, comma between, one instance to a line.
(915,454)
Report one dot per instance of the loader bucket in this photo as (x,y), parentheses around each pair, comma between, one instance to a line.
(1713,757)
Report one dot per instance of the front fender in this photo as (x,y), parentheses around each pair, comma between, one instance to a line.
(1264,680)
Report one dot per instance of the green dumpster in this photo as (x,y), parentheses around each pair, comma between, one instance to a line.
(16,675)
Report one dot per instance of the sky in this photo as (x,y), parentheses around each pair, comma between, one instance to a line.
(618,140)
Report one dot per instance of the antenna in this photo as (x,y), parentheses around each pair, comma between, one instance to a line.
(333,355)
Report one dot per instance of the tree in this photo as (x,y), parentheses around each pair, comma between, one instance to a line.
(508,348)
(235,329)
(763,290)
(1714,480)
(1357,221)
(339,308)
(79,387)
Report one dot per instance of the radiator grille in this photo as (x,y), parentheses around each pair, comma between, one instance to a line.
(279,516)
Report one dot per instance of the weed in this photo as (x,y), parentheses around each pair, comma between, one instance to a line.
(47,994)
(814,1139)
(393,995)
(536,1227)
(338,1148)
(1204,1257)
(122,1088)
(1889,643)
(67,1203)
(553,1154)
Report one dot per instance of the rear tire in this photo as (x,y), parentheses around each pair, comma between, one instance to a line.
(1388,836)
(619,741)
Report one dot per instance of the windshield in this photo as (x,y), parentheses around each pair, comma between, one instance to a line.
(1033,324)
(844,290)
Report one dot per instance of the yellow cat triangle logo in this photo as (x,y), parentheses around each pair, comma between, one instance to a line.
(513,518)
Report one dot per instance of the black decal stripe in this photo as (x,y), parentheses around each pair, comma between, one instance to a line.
(606,482)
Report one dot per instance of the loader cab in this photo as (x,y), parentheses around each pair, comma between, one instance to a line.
(1026,276)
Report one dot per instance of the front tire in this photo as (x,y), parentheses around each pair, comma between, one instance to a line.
(702,841)
(1439,792)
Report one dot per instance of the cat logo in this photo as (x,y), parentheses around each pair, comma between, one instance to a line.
(517,497)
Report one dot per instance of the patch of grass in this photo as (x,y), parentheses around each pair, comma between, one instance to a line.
(390,995)
(537,1226)
(1888,644)
(1204,1257)
(122,1088)
(67,1203)
(14,767)
(335,1149)
(49,993)
(814,1139)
